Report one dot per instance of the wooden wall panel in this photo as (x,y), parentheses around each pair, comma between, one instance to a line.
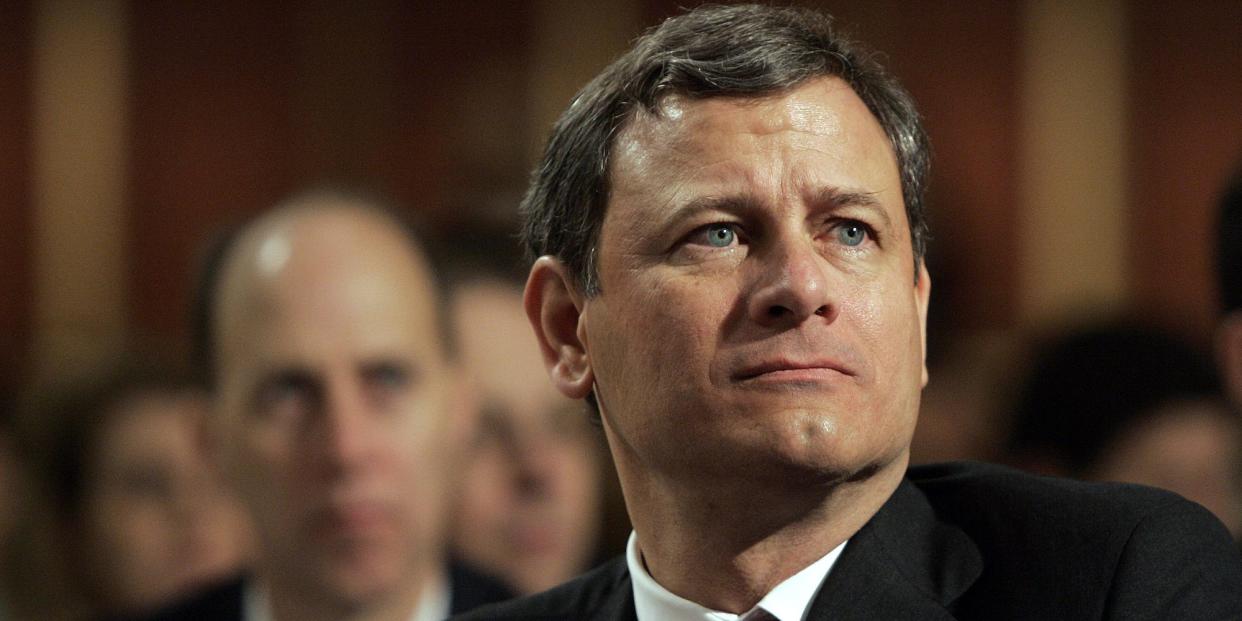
(212,138)
(15,199)
(461,130)
(237,103)
(1186,133)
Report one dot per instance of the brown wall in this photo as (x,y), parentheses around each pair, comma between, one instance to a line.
(236,104)
(15,204)
(212,137)
(232,104)
(1186,136)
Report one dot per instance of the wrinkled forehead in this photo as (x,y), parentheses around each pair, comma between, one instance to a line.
(814,107)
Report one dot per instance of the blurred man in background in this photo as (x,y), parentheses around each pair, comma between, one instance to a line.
(529,508)
(338,414)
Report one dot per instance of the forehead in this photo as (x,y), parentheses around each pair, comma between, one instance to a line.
(334,283)
(819,132)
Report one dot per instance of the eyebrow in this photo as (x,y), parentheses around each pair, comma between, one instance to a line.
(733,204)
(836,198)
(833,198)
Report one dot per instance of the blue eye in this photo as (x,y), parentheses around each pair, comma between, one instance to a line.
(720,235)
(851,234)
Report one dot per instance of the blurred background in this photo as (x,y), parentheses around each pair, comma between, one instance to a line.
(1080,149)
(1080,146)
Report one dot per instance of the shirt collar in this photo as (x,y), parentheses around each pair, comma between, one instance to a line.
(787,601)
(433,605)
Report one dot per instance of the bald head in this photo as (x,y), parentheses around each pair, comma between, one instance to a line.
(335,403)
(320,238)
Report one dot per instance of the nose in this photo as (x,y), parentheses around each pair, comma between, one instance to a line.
(534,461)
(345,427)
(793,287)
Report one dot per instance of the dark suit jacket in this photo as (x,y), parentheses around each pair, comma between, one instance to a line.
(974,541)
(469,590)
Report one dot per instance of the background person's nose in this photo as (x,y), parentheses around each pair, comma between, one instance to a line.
(534,460)
(345,427)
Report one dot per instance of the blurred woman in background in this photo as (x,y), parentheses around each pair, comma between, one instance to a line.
(137,511)
(1129,403)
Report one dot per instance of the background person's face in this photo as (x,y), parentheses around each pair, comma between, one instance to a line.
(1186,446)
(758,305)
(335,407)
(528,508)
(157,520)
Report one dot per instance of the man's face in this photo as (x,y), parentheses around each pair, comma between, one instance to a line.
(157,521)
(759,303)
(529,502)
(335,404)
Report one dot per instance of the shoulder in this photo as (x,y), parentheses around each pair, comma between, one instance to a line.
(987,494)
(1120,549)
(220,602)
(471,588)
(589,596)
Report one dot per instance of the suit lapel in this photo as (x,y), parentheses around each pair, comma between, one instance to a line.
(904,564)
(610,595)
(619,606)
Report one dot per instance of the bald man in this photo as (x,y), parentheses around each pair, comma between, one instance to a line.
(338,417)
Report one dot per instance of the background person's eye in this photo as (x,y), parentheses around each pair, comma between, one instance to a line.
(386,382)
(287,394)
(387,376)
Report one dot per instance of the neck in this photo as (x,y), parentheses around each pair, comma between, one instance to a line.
(752,535)
(288,601)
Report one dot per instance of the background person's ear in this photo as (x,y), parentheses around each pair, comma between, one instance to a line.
(554,308)
(1229,355)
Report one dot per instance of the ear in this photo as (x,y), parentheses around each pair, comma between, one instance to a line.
(922,295)
(554,308)
(1229,354)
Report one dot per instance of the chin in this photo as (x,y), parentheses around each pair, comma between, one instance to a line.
(362,576)
(813,446)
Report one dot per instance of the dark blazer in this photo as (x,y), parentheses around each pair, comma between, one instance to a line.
(469,589)
(975,541)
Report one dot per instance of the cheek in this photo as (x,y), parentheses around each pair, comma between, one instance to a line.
(484,488)
(885,318)
(581,480)
(126,535)
(675,325)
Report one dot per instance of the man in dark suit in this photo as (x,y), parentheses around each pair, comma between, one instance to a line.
(339,415)
(730,233)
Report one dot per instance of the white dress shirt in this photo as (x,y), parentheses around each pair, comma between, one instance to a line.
(787,601)
(433,605)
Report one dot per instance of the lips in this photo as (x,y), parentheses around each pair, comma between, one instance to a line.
(354,519)
(782,369)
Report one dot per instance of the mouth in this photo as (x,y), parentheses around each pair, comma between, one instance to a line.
(793,372)
(354,518)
